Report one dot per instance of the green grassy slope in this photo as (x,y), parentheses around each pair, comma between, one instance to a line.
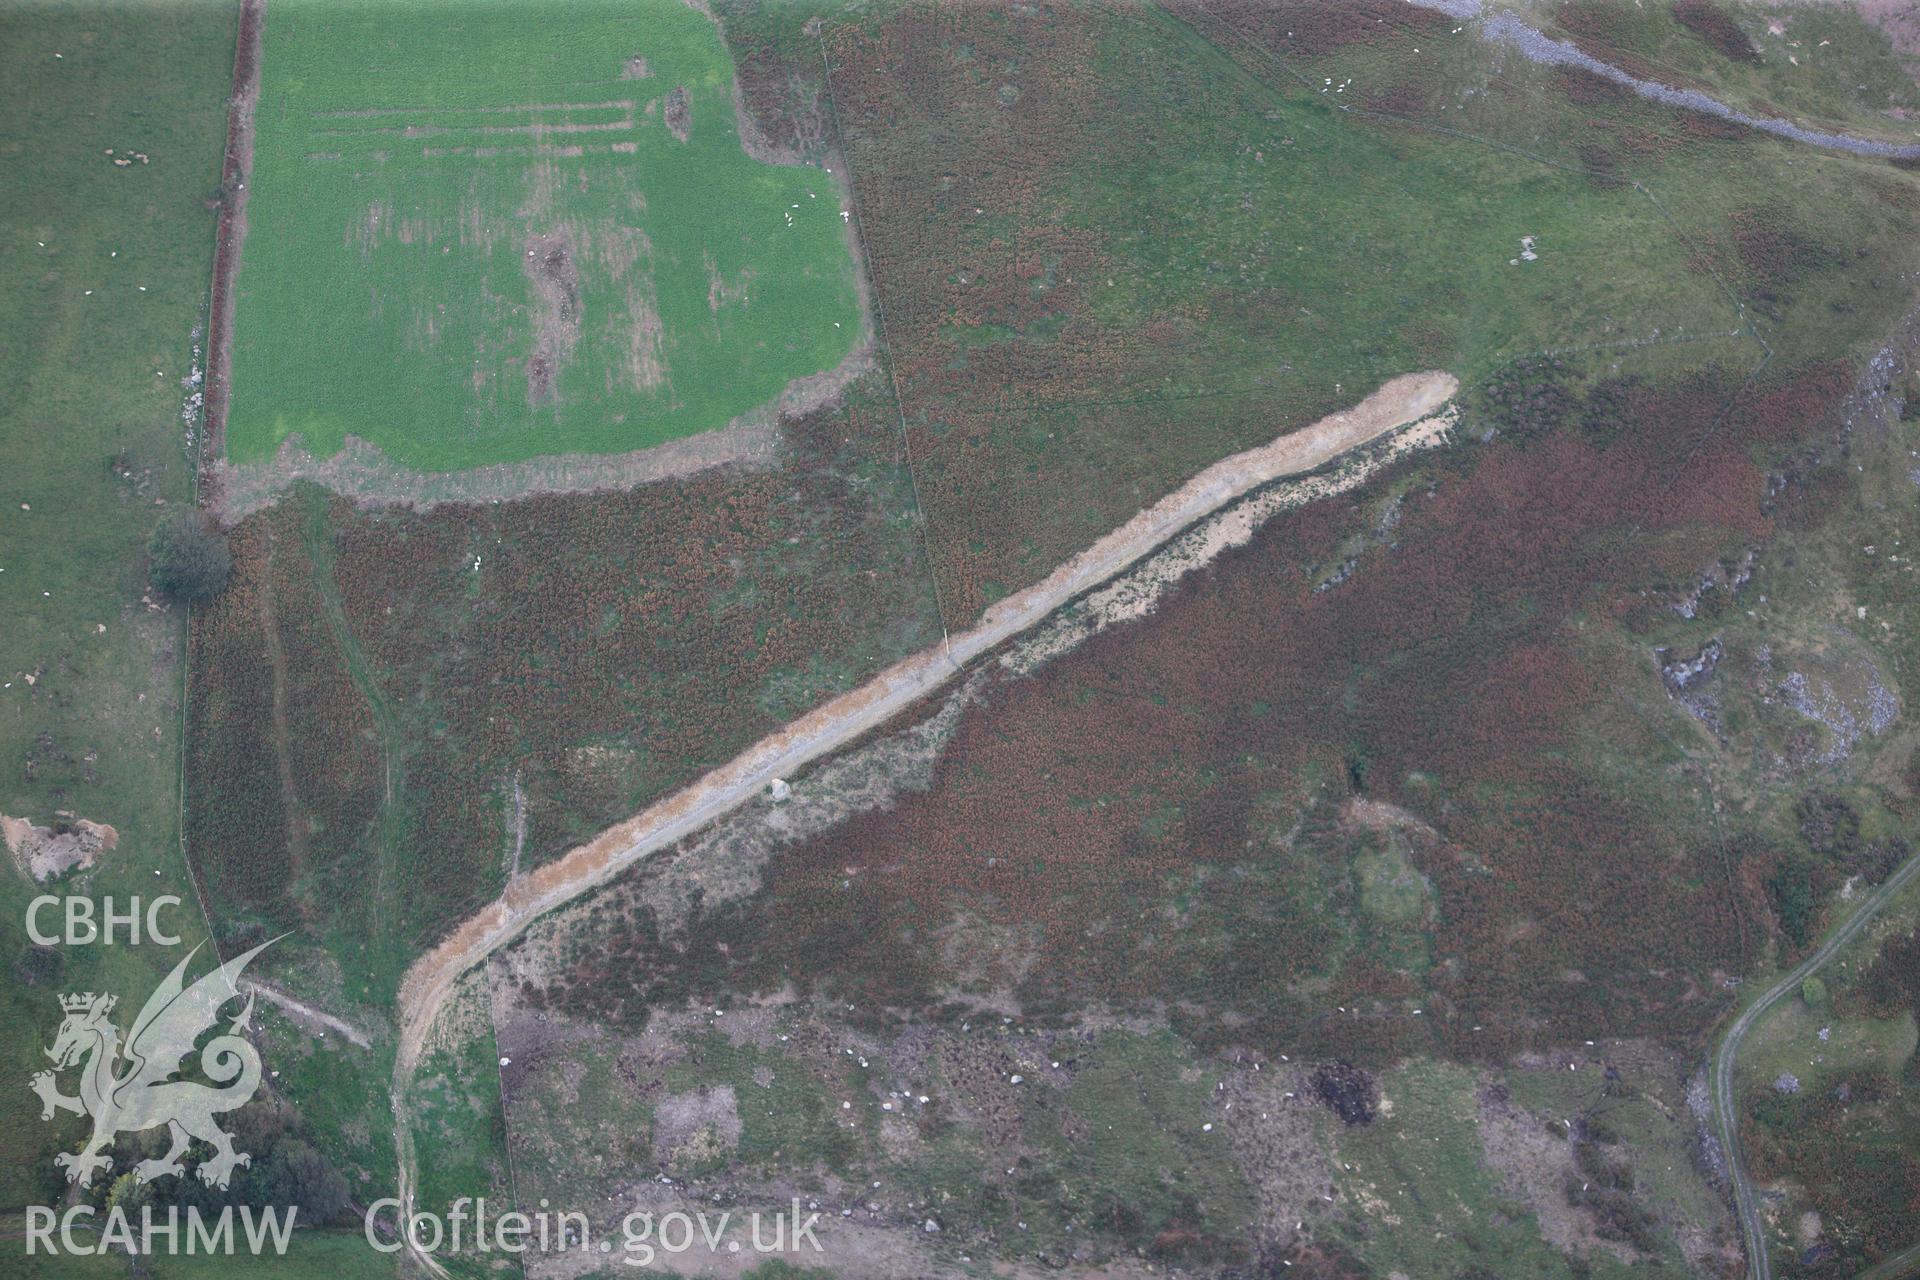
(105,269)
(1826,66)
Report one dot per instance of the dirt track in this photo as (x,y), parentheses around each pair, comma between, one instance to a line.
(1404,400)
(1726,1114)
(301,1011)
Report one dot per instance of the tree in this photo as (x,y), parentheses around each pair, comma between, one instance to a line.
(39,966)
(191,562)
(294,1174)
(1814,992)
(128,1194)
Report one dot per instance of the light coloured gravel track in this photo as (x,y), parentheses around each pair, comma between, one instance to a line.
(1400,402)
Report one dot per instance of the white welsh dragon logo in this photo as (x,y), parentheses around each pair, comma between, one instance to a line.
(126,1091)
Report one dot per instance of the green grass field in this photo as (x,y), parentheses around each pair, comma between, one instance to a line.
(568,254)
(105,270)
(311,1255)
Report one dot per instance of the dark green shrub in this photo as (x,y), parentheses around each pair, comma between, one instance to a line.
(191,562)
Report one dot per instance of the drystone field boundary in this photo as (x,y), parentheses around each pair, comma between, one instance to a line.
(231,232)
(1404,400)
(1408,399)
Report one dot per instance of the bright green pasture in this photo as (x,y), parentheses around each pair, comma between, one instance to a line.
(476,233)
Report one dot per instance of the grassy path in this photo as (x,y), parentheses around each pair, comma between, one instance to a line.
(393,813)
(1752,1231)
